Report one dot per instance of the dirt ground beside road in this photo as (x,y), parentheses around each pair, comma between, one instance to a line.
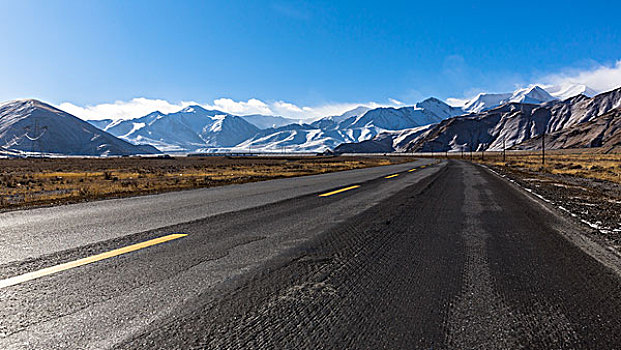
(38,181)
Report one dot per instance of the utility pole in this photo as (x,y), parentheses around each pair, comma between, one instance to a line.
(543,148)
(32,144)
(34,140)
(504,150)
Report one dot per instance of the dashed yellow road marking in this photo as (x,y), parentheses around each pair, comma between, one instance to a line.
(391,176)
(411,170)
(88,260)
(339,191)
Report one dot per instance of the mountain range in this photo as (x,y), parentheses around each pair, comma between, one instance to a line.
(603,131)
(29,127)
(195,129)
(187,130)
(531,95)
(487,121)
(579,121)
(353,126)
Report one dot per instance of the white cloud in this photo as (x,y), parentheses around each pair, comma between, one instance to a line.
(252,106)
(134,108)
(457,102)
(287,107)
(141,106)
(599,78)
(338,108)
(395,102)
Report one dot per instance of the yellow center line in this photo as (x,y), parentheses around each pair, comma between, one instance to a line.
(84,261)
(411,170)
(339,191)
(391,176)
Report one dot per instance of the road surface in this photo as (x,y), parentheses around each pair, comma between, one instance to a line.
(422,255)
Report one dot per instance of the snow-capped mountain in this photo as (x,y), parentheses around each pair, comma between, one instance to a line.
(259,120)
(532,95)
(385,142)
(195,129)
(188,130)
(388,118)
(294,137)
(330,132)
(377,120)
(435,108)
(101,124)
(31,126)
(508,125)
(485,101)
(268,121)
(563,92)
(431,124)
(514,123)
(358,111)
(320,135)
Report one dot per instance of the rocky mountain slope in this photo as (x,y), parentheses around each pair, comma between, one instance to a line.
(402,124)
(507,125)
(33,127)
(530,95)
(563,92)
(513,123)
(603,131)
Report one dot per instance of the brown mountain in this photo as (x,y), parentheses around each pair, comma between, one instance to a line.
(603,131)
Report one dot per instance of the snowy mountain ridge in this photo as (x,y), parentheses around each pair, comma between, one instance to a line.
(274,134)
(196,129)
(513,124)
(533,94)
(31,127)
(191,128)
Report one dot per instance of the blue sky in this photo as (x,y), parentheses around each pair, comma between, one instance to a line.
(297,53)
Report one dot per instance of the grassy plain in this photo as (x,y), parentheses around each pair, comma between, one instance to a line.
(583,163)
(36,181)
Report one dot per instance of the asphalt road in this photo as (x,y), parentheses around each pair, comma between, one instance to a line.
(449,256)
(73,226)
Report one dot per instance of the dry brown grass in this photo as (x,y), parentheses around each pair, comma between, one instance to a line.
(28,182)
(586,163)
